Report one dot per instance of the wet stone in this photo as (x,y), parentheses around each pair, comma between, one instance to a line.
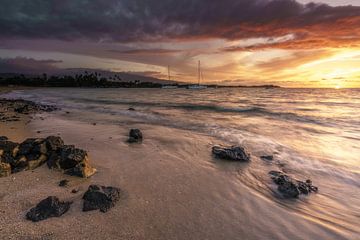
(234,153)
(289,187)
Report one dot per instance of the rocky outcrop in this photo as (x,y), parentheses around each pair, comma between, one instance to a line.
(16,107)
(49,207)
(34,152)
(289,187)
(100,197)
(135,136)
(234,153)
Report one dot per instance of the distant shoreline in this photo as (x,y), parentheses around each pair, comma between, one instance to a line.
(94,80)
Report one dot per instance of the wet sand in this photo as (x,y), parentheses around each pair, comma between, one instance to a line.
(173,189)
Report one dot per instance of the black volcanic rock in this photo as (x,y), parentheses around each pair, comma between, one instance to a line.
(235,153)
(49,207)
(72,161)
(100,197)
(32,154)
(289,187)
(135,135)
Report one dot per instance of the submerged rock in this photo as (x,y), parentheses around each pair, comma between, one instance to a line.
(289,187)
(100,197)
(235,153)
(135,135)
(49,207)
(72,161)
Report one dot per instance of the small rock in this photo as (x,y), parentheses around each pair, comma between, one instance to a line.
(131,109)
(267,157)
(63,183)
(49,207)
(100,197)
(74,190)
(135,135)
(231,153)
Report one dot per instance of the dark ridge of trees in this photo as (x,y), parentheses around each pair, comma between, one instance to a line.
(93,80)
(79,80)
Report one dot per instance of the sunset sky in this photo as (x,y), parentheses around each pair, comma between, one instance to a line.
(284,42)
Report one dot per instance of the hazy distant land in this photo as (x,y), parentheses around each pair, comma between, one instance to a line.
(101,80)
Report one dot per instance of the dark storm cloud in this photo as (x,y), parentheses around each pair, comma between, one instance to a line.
(26,65)
(148,20)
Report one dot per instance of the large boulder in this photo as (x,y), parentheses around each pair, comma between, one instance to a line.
(100,197)
(49,207)
(289,187)
(135,135)
(235,153)
(72,161)
(5,169)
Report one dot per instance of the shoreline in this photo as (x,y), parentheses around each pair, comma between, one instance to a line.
(173,188)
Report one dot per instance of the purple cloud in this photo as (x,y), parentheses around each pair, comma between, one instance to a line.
(27,65)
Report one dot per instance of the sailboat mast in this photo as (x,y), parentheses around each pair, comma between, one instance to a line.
(199,72)
(169,73)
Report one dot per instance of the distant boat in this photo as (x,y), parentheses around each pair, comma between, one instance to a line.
(169,77)
(200,76)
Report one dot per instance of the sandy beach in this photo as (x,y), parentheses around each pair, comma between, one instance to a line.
(172,188)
